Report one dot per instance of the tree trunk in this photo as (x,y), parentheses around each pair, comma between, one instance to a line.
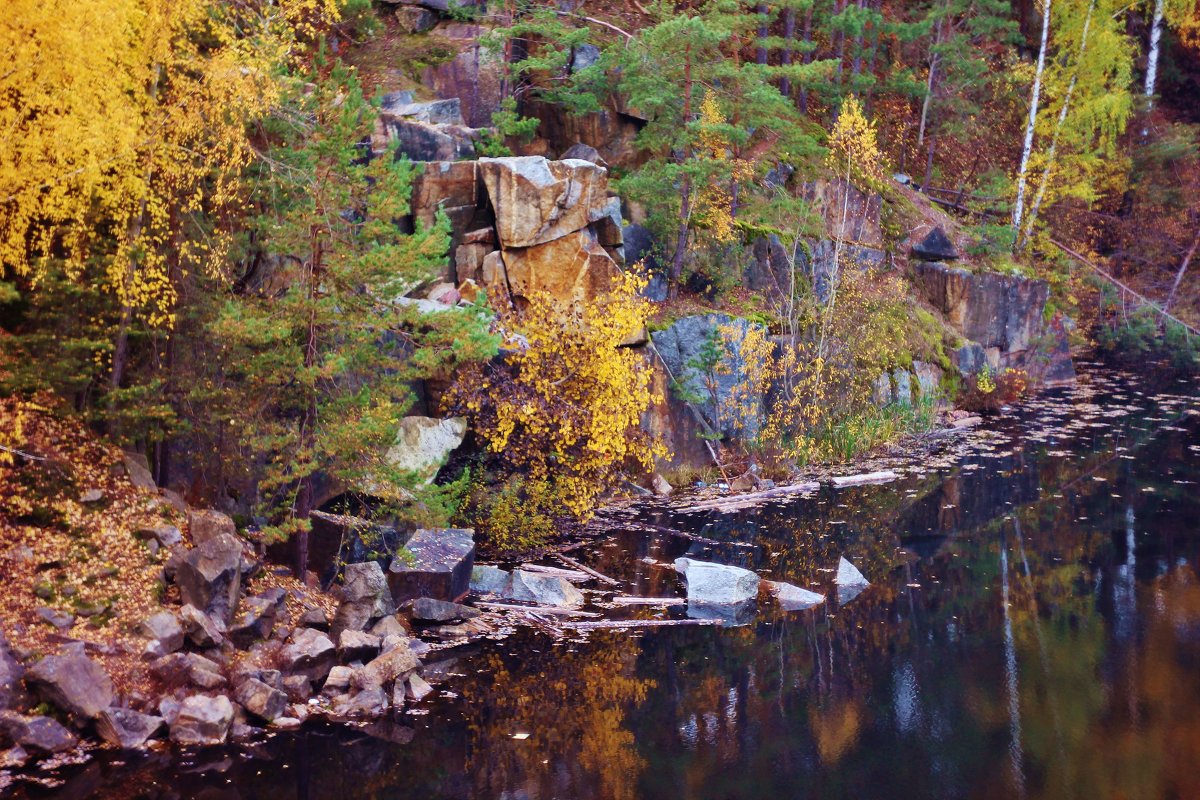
(785,57)
(1155,45)
(685,188)
(807,57)
(930,82)
(928,166)
(1027,149)
(1023,239)
(764,30)
(1182,269)
(856,69)
(308,438)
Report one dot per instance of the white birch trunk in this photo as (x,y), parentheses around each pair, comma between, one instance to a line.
(1019,205)
(1152,57)
(1062,118)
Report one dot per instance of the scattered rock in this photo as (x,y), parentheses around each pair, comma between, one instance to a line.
(126,728)
(338,680)
(365,596)
(440,566)
(414,19)
(163,535)
(936,246)
(37,734)
(165,630)
(716,584)
(210,577)
(74,683)
(311,654)
(52,616)
(389,626)
(91,496)
(849,580)
(547,590)
(256,618)
(488,579)
(793,598)
(138,469)
(386,668)
(660,486)
(260,699)
(430,610)
(201,629)
(12,692)
(418,689)
(207,524)
(202,720)
(314,618)
(357,646)
(298,688)
(583,152)
(184,669)
(370,702)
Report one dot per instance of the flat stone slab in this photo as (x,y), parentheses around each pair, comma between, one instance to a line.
(793,598)
(437,565)
(865,478)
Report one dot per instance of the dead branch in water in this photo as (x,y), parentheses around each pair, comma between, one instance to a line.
(628,624)
(583,568)
(551,610)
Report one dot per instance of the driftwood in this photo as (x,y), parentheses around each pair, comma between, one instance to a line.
(626,624)
(649,601)
(567,574)
(692,537)
(551,610)
(864,478)
(741,500)
(586,569)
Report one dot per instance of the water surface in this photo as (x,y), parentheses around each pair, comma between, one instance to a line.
(1032,630)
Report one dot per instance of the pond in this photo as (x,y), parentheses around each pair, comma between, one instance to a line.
(1032,629)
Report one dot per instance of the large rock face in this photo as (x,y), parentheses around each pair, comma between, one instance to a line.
(210,577)
(475,75)
(537,200)
(681,346)
(450,185)
(424,443)
(680,427)
(849,214)
(75,684)
(440,565)
(573,269)
(1003,311)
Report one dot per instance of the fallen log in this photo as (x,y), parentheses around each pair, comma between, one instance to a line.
(566,574)
(552,610)
(649,601)
(692,537)
(865,478)
(625,624)
(584,568)
(737,501)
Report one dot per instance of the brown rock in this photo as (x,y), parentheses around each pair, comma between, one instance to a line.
(446,184)
(537,201)
(208,524)
(73,683)
(573,269)
(386,668)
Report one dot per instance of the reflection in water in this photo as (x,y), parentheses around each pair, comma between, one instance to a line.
(1032,629)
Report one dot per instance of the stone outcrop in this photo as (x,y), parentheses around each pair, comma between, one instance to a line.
(36,734)
(126,728)
(572,269)
(537,201)
(424,443)
(311,654)
(365,596)
(936,246)
(202,720)
(994,310)
(207,524)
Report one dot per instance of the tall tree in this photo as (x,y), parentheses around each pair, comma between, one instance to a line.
(1034,98)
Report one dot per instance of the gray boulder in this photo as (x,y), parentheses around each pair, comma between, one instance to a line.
(187,669)
(365,596)
(382,671)
(357,646)
(849,581)
(440,566)
(261,699)
(36,734)
(165,630)
(793,598)
(126,728)
(12,692)
(210,577)
(255,619)
(936,246)
(487,579)
(74,683)
(207,524)
(202,720)
(201,629)
(547,590)
(311,654)
(430,610)
(717,584)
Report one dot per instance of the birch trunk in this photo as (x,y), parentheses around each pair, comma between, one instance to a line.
(1027,149)
(1182,269)
(1152,56)
(1062,118)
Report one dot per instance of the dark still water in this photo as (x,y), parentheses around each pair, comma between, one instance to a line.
(1032,631)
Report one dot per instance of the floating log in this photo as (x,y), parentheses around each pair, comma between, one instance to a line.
(741,500)
(566,574)
(692,537)
(583,568)
(624,624)
(649,601)
(865,478)
(552,610)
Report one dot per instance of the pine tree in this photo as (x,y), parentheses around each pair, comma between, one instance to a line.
(327,367)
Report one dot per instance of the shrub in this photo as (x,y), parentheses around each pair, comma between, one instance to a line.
(985,391)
